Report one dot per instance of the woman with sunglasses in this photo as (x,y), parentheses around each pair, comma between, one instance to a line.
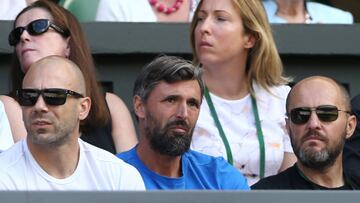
(44,28)
(242,117)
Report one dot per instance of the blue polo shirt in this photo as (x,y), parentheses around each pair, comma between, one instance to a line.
(199,171)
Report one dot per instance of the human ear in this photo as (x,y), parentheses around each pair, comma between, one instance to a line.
(250,41)
(139,107)
(84,107)
(67,50)
(350,126)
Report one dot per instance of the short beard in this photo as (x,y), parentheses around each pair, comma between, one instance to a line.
(319,160)
(55,138)
(169,143)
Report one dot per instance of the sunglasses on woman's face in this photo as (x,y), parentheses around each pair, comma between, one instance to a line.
(36,27)
(325,113)
(51,96)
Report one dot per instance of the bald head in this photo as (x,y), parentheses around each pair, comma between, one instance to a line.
(318,88)
(52,118)
(316,131)
(55,72)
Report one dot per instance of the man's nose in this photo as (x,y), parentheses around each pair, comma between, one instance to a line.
(182,111)
(40,104)
(314,121)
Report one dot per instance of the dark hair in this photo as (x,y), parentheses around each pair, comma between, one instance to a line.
(79,53)
(165,68)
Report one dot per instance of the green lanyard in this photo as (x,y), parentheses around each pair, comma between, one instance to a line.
(223,136)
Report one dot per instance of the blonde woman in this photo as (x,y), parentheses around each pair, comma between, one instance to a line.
(242,117)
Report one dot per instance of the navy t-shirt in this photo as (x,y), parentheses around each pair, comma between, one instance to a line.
(291,179)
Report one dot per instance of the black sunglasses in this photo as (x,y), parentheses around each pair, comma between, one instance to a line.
(51,96)
(36,27)
(325,113)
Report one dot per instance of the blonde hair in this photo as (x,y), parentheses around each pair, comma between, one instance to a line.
(263,64)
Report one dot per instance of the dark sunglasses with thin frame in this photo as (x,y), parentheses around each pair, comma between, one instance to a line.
(51,96)
(36,27)
(325,113)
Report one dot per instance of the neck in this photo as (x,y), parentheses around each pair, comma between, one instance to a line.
(331,177)
(227,80)
(169,166)
(59,161)
(292,10)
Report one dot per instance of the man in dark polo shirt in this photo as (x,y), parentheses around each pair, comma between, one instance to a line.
(319,122)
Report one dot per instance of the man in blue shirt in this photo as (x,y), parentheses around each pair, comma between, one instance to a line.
(167,98)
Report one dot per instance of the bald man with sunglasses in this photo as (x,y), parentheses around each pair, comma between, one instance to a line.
(319,121)
(52,157)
